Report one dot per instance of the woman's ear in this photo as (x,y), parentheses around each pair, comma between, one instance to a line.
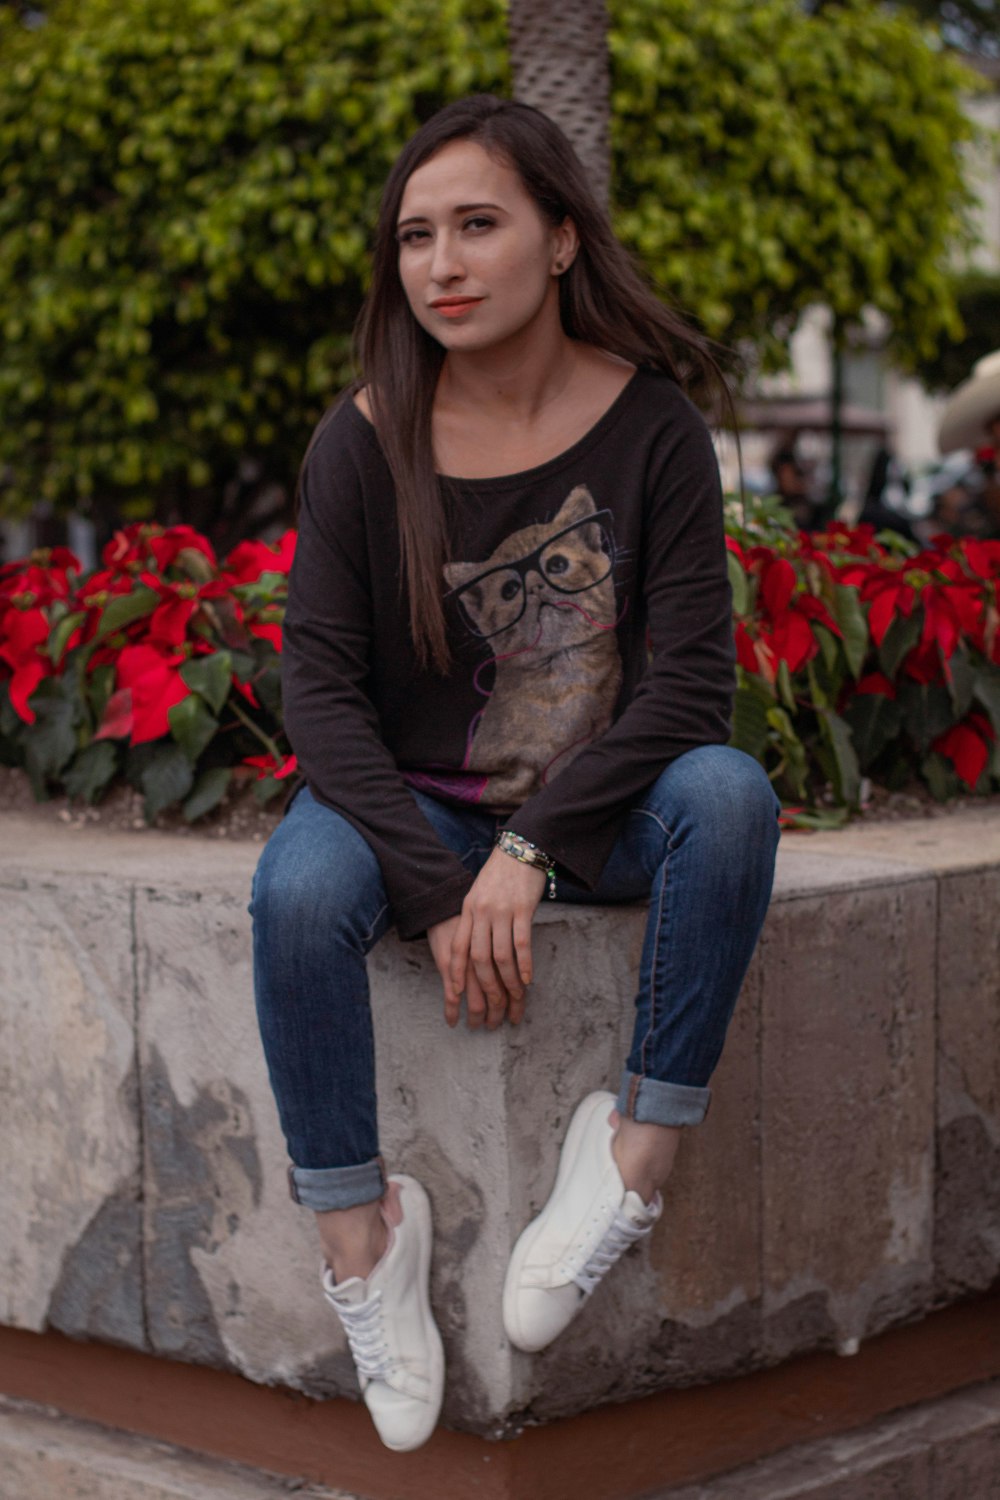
(565,244)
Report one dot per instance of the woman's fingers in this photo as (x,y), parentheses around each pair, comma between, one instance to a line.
(522,945)
(475,1002)
(506,964)
(461,938)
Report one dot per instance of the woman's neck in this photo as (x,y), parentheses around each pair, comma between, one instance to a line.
(512,384)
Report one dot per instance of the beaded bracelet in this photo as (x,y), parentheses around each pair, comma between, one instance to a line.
(529,854)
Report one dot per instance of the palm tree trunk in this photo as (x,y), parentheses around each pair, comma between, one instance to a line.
(559,58)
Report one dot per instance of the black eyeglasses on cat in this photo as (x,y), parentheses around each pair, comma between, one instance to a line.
(569,562)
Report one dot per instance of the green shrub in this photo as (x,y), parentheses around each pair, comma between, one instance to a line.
(187,191)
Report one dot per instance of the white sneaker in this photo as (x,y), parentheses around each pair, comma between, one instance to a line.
(390,1326)
(585,1226)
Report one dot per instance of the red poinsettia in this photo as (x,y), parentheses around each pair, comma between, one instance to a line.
(968,746)
(148,684)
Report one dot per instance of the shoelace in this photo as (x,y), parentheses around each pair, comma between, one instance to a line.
(620,1234)
(363,1326)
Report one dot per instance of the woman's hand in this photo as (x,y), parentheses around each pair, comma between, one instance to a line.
(487,950)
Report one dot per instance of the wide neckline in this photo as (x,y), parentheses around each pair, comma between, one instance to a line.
(540,471)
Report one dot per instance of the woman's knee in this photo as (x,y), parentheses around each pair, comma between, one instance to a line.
(722,791)
(315,875)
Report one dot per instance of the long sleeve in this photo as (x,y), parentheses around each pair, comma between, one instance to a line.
(684,699)
(331,721)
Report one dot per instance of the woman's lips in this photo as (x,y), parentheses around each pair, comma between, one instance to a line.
(456,306)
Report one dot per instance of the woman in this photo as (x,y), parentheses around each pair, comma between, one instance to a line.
(469,691)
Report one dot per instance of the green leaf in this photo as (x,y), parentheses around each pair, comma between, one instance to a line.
(961,683)
(897,643)
(874,721)
(940,777)
(209,790)
(51,741)
(61,633)
(784,685)
(986,691)
(266,788)
(795,761)
(927,712)
(738,583)
(123,609)
(850,616)
(91,771)
(192,725)
(210,676)
(166,778)
(818,818)
(847,775)
(750,727)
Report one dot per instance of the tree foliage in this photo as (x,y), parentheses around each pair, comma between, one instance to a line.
(187,189)
(766,159)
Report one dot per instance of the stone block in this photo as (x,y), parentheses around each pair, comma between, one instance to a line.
(69,1190)
(684,1305)
(232,1266)
(967,1208)
(847,1069)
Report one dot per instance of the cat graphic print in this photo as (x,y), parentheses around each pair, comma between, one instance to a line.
(544,605)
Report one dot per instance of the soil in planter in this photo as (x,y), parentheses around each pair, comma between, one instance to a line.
(238,816)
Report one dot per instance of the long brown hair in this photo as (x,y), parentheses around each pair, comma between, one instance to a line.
(603,300)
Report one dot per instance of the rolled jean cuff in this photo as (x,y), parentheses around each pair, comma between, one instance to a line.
(324,1188)
(650,1101)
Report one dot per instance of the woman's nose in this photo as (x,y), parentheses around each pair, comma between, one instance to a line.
(446,264)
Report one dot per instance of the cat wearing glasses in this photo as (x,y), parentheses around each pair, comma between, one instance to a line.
(544,603)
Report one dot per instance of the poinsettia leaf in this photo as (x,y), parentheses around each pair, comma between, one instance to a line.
(52,741)
(750,727)
(738,584)
(124,609)
(210,676)
(817,818)
(940,777)
(62,631)
(961,682)
(927,712)
(166,778)
(267,686)
(850,617)
(847,773)
(986,690)
(267,788)
(209,790)
(874,721)
(192,725)
(98,687)
(244,665)
(829,647)
(91,771)
(899,640)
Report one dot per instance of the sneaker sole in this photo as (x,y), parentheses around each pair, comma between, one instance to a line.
(417,1207)
(585,1112)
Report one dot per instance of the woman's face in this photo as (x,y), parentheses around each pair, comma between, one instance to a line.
(477,259)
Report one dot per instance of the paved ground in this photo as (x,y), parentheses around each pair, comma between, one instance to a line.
(45,1456)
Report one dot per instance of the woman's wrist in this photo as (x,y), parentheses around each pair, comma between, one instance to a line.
(527,853)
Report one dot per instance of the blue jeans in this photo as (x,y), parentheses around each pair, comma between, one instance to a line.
(699,846)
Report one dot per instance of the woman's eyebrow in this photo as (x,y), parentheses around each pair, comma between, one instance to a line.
(460,208)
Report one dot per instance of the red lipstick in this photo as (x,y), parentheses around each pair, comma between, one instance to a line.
(454,307)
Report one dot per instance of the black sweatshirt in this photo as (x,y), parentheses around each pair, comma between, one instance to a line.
(563,577)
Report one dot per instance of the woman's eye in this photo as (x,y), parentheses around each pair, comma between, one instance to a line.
(411,236)
(478,223)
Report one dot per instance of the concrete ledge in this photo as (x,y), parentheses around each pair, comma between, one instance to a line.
(846,1179)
